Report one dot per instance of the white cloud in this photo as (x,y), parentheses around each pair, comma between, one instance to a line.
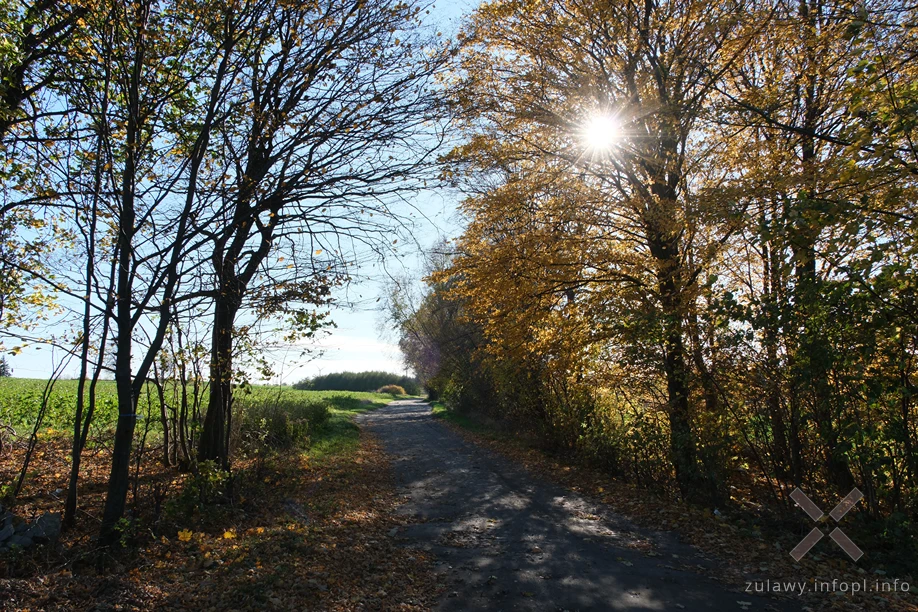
(339,353)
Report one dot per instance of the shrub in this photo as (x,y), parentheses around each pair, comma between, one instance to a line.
(393,389)
(207,486)
(280,423)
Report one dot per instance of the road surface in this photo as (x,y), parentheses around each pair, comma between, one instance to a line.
(505,540)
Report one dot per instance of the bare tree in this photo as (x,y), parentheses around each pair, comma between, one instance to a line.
(336,121)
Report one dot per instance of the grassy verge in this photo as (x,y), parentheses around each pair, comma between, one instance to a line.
(340,434)
(21,399)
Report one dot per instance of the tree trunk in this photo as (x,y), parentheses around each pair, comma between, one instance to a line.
(905,398)
(682,439)
(127,399)
(664,248)
(214,444)
(116,495)
(168,440)
(812,359)
(124,430)
(76,452)
(813,370)
(772,280)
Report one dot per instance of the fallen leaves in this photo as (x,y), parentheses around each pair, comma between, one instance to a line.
(316,537)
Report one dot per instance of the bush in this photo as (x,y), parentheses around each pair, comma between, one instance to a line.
(393,389)
(207,486)
(280,423)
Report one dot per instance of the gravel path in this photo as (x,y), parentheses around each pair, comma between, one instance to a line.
(505,540)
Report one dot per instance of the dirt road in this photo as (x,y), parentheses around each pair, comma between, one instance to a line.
(505,540)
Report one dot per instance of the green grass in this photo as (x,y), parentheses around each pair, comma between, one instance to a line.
(438,409)
(20,400)
(340,434)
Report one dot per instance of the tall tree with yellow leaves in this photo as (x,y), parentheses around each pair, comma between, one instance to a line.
(603,100)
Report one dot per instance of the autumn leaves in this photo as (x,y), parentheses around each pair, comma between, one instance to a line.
(710,292)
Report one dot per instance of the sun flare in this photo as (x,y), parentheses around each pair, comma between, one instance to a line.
(602,132)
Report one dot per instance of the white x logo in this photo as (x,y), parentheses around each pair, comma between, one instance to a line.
(837,535)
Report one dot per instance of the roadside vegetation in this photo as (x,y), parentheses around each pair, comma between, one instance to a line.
(21,400)
(303,519)
(690,253)
(267,420)
(186,185)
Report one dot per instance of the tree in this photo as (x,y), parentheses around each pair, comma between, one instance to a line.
(358,381)
(335,120)
(804,97)
(134,190)
(35,40)
(203,146)
(703,217)
(5,370)
(819,57)
(539,77)
(435,338)
(35,37)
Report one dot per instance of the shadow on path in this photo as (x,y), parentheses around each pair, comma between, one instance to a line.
(506,541)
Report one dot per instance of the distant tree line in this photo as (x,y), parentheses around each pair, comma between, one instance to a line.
(359,381)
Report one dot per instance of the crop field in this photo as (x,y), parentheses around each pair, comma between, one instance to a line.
(21,400)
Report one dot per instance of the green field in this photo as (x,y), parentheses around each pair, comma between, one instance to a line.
(21,398)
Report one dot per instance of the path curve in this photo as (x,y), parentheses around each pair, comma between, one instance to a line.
(505,540)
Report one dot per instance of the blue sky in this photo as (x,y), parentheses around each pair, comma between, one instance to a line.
(362,339)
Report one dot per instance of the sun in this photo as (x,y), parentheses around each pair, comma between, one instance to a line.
(602,132)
